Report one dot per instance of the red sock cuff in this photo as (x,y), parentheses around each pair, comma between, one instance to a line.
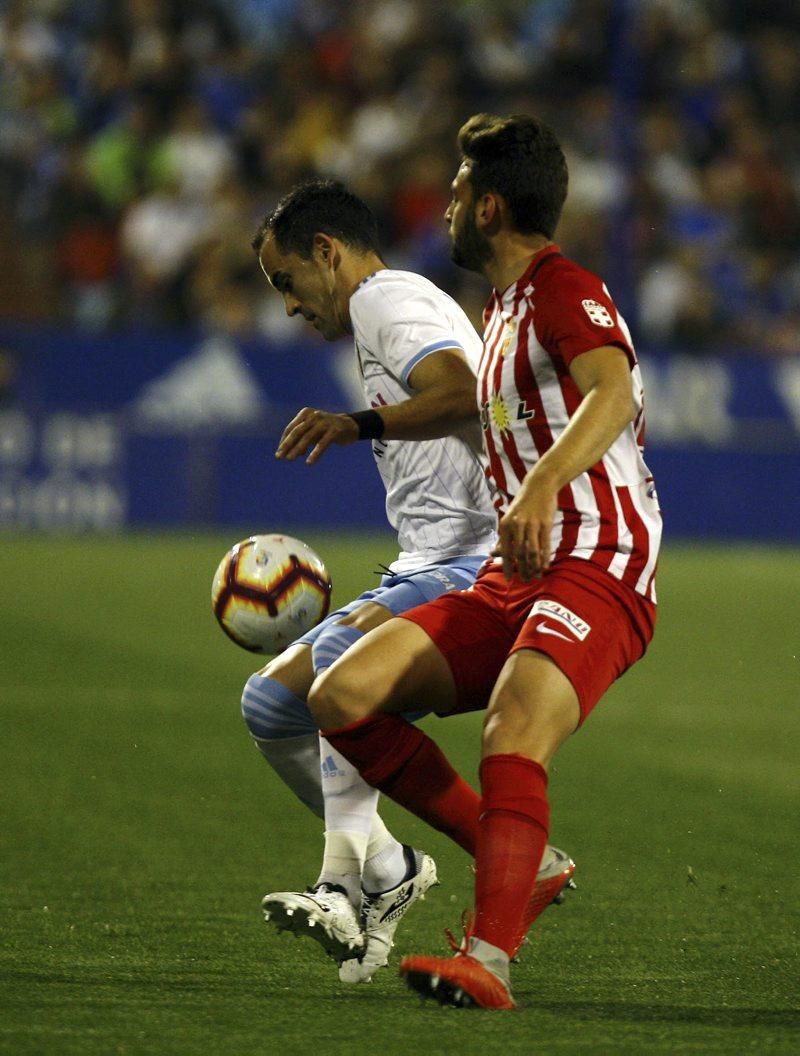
(517,785)
(378,746)
(349,727)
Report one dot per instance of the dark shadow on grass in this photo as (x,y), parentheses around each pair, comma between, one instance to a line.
(710,1017)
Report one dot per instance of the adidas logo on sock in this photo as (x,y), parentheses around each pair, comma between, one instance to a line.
(330,769)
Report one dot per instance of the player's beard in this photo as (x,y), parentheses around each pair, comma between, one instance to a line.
(470,249)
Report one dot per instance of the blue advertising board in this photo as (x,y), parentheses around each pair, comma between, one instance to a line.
(138,429)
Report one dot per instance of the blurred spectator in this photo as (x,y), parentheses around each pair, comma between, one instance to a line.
(141,141)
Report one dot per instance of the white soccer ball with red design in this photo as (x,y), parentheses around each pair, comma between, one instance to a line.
(269,590)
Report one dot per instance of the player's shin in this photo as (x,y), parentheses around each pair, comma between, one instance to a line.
(402,761)
(512,836)
(350,807)
(285,733)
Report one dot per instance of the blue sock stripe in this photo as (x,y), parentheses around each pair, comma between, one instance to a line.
(330,645)
(260,713)
(272,711)
(325,656)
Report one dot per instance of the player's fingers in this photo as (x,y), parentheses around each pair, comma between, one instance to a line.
(319,449)
(525,558)
(293,437)
(511,543)
(529,554)
(544,546)
(290,440)
(296,444)
(298,419)
(303,436)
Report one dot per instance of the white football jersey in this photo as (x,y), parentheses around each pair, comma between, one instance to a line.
(437,496)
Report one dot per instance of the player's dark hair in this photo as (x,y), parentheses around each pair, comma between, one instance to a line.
(318,206)
(519,158)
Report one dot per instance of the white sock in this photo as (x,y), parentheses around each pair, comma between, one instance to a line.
(386,868)
(350,811)
(343,862)
(296,762)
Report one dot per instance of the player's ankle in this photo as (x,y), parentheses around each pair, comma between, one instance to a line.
(492,958)
(386,869)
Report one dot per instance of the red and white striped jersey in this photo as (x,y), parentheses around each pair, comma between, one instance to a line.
(555,311)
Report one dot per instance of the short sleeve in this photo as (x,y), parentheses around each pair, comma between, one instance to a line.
(574,313)
(401,324)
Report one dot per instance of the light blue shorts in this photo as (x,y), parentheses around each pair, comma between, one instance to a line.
(402,591)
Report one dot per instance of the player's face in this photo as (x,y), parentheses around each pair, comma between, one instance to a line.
(308,287)
(469,247)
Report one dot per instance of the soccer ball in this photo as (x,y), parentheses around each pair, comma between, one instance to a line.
(269,590)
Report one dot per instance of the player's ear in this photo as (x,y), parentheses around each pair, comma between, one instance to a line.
(325,250)
(488,213)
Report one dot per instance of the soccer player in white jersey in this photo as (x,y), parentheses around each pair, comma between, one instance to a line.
(416,353)
(568,603)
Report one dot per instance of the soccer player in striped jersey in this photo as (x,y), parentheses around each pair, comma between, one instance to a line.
(567,604)
(417,353)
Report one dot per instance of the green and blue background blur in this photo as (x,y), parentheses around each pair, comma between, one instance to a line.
(146,373)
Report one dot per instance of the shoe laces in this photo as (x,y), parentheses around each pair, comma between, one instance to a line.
(326,889)
(468,927)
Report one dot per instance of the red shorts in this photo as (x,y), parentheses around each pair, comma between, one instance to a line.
(589,624)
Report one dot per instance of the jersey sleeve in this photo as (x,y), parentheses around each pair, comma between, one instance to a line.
(576,314)
(403,325)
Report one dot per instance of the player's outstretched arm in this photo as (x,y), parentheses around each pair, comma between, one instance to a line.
(603,377)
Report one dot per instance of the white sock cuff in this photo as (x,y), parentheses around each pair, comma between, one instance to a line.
(345,853)
(379,837)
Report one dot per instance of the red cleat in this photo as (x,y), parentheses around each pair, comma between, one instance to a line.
(460,981)
(552,880)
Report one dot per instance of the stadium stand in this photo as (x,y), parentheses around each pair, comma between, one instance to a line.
(142,140)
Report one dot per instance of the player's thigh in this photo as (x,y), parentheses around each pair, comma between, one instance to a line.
(532,710)
(395,668)
(293,668)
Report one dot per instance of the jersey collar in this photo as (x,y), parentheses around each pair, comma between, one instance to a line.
(537,261)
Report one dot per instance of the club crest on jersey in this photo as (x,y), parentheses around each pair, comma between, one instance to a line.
(553,611)
(509,334)
(495,411)
(597,312)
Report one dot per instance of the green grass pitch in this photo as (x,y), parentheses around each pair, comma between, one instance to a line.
(140,829)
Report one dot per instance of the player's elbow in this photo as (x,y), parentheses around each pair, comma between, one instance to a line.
(628,409)
(621,407)
(464,406)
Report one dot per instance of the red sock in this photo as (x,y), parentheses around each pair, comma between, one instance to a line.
(512,835)
(402,761)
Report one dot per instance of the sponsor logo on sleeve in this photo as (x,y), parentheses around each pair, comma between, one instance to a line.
(561,615)
(597,312)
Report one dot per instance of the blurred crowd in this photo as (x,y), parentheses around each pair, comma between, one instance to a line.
(142,141)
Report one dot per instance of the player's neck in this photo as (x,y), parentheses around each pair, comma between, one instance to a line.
(356,268)
(512,253)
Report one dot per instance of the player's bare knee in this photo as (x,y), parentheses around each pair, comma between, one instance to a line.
(293,669)
(337,698)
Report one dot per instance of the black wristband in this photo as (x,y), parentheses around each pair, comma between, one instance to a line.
(370,424)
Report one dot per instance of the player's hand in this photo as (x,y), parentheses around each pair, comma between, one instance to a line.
(524,531)
(314,430)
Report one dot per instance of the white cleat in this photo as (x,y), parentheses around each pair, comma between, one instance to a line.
(381,914)
(324,913)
